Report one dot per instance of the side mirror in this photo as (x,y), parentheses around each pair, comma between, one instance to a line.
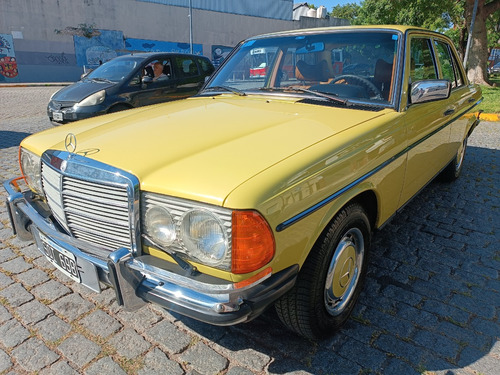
(146,80)
(429,90)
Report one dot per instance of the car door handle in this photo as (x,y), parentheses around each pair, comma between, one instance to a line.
(449,112)
(471,100)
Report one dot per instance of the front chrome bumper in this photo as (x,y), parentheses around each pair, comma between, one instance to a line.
(141,279)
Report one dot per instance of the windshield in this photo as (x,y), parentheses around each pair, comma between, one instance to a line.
(349,65)
(114,70)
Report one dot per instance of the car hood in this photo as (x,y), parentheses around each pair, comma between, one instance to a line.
(202,148)
(80,90)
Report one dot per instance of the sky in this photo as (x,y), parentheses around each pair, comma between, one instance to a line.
(329,4)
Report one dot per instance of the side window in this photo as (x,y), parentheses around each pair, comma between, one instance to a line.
(186,67)
(448,69)
(205,66)
(421,62)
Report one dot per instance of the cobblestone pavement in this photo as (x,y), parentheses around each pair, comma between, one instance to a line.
(431,302)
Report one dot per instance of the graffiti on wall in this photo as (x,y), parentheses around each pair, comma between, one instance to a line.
(8,63)
(143,45)
(219,53)
(98,49)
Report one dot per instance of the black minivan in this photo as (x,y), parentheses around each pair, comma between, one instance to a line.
(130,81)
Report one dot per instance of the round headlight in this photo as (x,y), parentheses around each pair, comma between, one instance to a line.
(30,165)
(160,225)
(204,237)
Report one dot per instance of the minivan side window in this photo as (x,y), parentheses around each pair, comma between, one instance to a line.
(421,63)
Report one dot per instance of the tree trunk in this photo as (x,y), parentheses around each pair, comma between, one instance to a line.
(478,54)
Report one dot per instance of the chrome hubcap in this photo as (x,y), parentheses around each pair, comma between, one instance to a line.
(344,271)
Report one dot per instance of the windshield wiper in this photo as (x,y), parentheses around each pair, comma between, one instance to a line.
(101,80)
(330,97)
(226,88)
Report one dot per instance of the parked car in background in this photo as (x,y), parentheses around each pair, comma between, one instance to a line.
(128,81)
(257,191)
(495,69)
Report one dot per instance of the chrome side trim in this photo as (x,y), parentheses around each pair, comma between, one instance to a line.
(359,180)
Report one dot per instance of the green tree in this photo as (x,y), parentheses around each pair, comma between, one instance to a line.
(450,16)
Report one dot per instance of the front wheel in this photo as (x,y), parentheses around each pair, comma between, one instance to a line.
(331,278)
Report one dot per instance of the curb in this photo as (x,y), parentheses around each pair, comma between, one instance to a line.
(492,117)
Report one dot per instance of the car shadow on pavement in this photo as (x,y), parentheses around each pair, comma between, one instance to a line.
(431,300)
(11,138)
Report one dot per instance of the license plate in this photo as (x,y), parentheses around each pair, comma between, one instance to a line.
(64,260)
(57,116)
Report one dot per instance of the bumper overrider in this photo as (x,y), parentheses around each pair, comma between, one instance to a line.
(143,278)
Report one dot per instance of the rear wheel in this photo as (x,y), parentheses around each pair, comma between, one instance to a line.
(331,278)
(454,169)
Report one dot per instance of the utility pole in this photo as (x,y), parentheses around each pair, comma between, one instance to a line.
(190,26)
(469,39)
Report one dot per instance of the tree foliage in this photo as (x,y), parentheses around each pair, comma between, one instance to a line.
(453,17)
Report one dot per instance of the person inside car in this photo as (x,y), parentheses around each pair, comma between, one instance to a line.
(158,72)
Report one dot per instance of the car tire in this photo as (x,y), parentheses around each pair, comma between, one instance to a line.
(454,169)
(118,108)
(331,278)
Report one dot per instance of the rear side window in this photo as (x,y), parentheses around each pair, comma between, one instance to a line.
(422,63)
(205,66)
(449,66)
(186,67)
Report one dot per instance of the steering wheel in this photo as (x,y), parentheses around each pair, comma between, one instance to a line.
(369,85)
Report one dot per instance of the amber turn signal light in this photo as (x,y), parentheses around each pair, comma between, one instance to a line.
(252,242)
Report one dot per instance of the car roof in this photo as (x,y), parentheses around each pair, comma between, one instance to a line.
(147,55)
(400,28)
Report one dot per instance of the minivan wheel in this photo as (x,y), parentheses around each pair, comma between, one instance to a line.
(331,278)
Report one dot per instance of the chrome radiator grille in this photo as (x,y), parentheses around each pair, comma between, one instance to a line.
(98,212)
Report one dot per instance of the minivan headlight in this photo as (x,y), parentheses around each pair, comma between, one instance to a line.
(31,169)
(93,99)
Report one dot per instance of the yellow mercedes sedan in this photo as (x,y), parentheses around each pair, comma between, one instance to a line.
(265,188)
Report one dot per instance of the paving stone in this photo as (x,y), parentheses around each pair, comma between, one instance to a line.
(239,371)
(168,337)
(52,328)
(129,344)
(33,312)
(5,362)
(203,359)
(15,266)
(32,277)
(59,368)
(140,320)
(157,363)
(16,295)
(31,252)
(106,298)
(326,360)
(6,255)
(79,350)
(71,306)
(437,343)
(244,352)
(33,355)
(105,366)
(5,280)
(99,323)
(4,314)
(12,333)
(50,291)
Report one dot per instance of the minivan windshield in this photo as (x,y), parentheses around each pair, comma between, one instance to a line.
(114,70)
(345,64)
